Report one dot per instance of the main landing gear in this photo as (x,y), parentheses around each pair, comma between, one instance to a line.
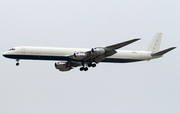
(83,69)
(86,68)
(92,65)
(17,64)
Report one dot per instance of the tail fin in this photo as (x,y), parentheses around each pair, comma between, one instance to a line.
(155,43)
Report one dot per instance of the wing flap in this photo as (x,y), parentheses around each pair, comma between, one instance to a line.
(110,53)
(99,58)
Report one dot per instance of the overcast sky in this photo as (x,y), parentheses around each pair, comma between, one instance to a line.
(37,87)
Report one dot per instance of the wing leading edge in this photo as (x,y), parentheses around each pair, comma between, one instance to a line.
(120,45)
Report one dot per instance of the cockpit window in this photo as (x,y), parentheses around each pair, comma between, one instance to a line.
(12,49)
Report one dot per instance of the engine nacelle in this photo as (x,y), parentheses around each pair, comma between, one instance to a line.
(98,51)
(80,55)
(62,66)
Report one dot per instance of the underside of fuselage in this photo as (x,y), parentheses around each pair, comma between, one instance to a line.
(63,58)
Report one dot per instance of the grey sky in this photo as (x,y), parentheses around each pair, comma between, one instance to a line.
(36,86)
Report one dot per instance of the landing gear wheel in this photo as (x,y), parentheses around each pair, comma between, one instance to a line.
(89,65)
(17,64)
(81,69)
(93,65)
(85,69)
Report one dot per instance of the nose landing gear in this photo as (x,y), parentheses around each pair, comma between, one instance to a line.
(17,64)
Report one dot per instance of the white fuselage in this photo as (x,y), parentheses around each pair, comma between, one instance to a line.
(69,58)
(60,54)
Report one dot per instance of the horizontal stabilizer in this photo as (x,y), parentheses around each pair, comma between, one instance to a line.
(162,52)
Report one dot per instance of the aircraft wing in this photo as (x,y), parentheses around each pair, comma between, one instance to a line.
(74,64)
(103,52)
(120,45)
(111,50)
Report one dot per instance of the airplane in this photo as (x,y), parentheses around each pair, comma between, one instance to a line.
(69,58)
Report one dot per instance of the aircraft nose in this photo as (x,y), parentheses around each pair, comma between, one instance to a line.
(4,54)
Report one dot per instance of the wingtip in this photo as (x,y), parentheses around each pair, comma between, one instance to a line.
(137,39)
(173,47)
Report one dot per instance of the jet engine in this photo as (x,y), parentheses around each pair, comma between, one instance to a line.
(62,66)
(80,55)
(98,51)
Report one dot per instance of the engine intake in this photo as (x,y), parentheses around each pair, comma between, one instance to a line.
(80,55)
(98,51)
(62,66)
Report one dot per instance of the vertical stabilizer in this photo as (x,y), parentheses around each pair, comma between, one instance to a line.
(155,43)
